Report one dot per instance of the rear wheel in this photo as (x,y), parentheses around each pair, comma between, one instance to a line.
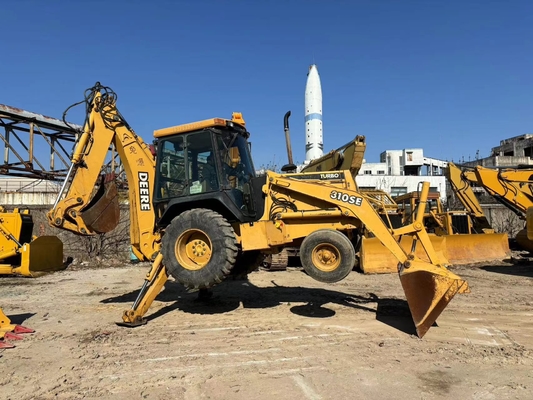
(327,255)
(199,248)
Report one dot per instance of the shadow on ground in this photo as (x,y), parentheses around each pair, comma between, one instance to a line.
(18,319)
(230,295)
(520,268)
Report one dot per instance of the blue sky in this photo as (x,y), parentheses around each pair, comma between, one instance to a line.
(452,77)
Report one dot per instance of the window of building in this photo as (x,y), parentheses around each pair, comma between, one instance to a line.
(368,172)
(411,170)
(398,190)
(409,156)
(380,172)
(433,189)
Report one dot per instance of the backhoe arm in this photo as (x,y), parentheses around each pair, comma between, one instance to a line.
(348,157)
(82,209)
(460,180)
(512,187)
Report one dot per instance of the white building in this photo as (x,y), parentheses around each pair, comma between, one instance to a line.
(27,191)
(401,171)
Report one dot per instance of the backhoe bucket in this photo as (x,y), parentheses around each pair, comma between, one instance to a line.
(428,290)
(102,214)
(377,259)
(42,255)
(474,248)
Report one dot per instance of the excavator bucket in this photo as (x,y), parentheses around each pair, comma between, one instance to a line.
(375,258)
(428,290)
(102,214)
(10,332)
(475,248)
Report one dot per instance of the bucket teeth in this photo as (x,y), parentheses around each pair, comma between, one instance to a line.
(6,345)
(14,334)
(23,329)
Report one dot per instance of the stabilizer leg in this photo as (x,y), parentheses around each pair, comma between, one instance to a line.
(154,282)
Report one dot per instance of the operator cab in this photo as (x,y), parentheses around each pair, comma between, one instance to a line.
(207,162)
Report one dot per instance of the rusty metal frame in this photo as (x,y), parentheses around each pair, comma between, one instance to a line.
(26,136)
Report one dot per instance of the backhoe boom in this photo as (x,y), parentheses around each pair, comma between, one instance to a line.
(81,209)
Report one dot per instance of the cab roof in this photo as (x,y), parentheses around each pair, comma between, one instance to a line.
(235,121)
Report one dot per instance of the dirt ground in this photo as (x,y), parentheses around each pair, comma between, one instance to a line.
(279,335)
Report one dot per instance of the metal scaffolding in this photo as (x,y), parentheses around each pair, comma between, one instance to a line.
(40,147)
(29,139)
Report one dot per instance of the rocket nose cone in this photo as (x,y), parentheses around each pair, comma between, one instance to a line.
(313,70)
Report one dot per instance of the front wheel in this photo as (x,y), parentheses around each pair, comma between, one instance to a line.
(199,248)
(327,255)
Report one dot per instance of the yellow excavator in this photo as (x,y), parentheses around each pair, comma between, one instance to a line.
(199,212)
(512,187)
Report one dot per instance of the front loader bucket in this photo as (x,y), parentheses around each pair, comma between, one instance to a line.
(428,290)
(467,249)
(42,255)
(377,259)
(102,214)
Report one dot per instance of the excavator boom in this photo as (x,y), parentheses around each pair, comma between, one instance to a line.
(348,157)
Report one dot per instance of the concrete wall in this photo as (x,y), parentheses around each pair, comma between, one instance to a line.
(502,219)
(500,161)
(17,198)
(410,183)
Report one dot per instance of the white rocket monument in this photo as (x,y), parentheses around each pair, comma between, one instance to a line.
(314,144)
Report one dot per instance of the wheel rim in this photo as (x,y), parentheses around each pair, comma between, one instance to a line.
(326,257)
(193,249)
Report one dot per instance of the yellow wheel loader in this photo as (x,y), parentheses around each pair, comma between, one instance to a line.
(21,253)
(200,213)
(10,332)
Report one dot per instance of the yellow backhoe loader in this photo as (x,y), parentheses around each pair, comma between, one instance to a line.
(199,212)
(10,332)
(21,253)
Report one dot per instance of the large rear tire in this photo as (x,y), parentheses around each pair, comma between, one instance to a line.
(327,255)
(199,248)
